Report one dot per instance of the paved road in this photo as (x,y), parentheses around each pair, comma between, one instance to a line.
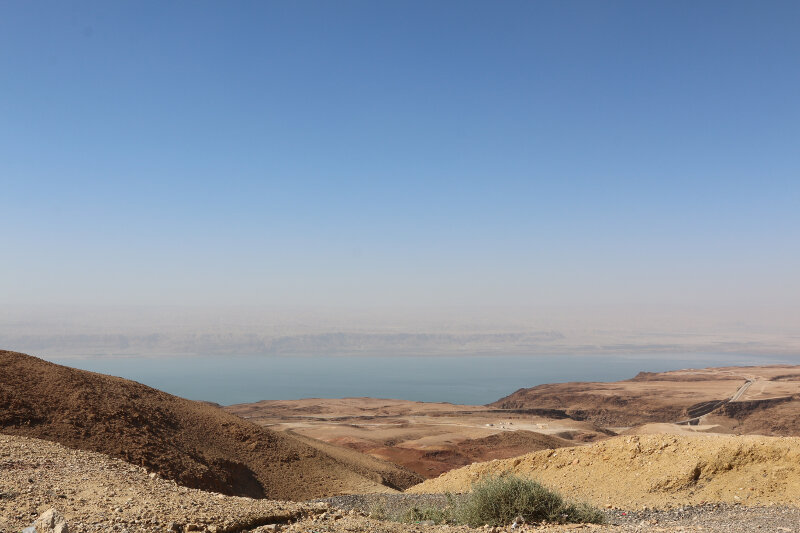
(736,395)
(741,390)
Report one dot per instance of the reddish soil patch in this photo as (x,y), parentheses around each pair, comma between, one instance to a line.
(436,460)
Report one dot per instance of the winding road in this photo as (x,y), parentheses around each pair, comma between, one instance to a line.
(714,405)
(741,390)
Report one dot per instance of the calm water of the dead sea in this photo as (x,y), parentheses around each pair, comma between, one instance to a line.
(464,379)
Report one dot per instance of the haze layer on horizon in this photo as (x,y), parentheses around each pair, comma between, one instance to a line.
(360,168)
(248,330)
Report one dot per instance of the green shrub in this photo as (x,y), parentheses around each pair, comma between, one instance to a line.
(497,501)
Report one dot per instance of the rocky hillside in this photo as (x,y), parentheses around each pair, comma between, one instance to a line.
(761,400)
(776,416)
(98,493)
(196,444)
(662,397)
(654,471)
(93,493)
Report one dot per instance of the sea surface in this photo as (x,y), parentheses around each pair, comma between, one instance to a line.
(472,380)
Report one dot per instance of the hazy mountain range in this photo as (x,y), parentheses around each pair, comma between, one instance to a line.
(248,331)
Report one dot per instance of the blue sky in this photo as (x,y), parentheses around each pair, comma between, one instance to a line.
(400,153)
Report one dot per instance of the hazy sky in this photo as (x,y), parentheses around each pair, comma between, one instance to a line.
(400,153)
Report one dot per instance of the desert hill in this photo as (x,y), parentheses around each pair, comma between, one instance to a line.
(624,403)
(98,493)
(194,443)
(751,400)
(654,471)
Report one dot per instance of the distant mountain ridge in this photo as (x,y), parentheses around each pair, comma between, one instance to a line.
(331,343)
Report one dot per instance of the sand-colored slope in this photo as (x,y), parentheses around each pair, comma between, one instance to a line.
(654,471)
(194,443)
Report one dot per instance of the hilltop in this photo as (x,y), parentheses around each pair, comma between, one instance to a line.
(194,443)
(654,471)
(749,399)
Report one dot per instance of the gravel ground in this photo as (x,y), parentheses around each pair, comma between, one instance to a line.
(390,503)
(99,494)
(712,518)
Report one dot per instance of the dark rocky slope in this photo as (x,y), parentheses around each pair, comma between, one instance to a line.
(195,443)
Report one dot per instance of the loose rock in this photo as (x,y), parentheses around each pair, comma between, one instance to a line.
(51,521)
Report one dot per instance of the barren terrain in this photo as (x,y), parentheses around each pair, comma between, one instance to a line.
(196,444)
(427,438)
(742,400)
(655,471)
(432,438)
(660,476)
(97,493)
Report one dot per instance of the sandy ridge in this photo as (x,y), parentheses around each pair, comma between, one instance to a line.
(655,471)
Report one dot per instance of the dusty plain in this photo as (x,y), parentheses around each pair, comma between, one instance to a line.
(432,438)
(426,438)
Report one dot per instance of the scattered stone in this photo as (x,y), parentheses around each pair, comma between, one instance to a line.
(51,521)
